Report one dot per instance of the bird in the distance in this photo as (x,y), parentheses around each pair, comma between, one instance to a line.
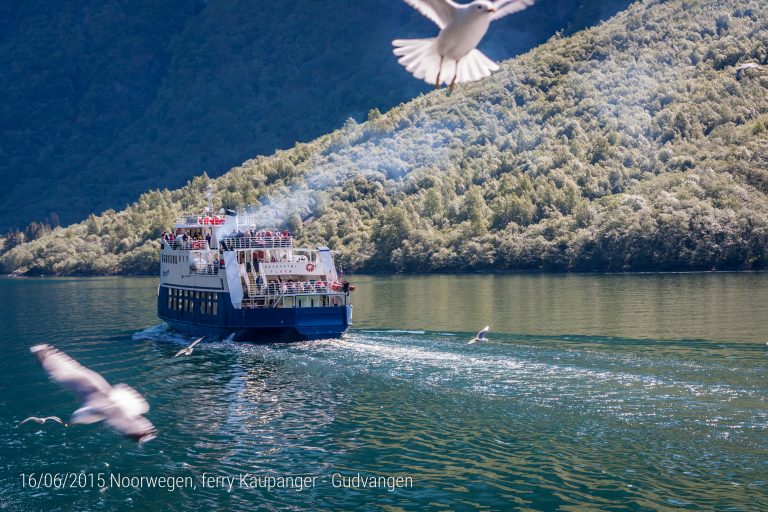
(186,351)
(452,57)
(42,420)
(480,335)
(120,406)
(742,69)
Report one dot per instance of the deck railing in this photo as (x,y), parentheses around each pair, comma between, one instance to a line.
(189,245)
(298,288)
(327,298)
(255,242)
(208,270)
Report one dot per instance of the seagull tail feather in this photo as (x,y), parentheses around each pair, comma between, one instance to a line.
(474,66)
(421,58)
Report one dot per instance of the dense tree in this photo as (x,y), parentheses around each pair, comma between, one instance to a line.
(629,146)
(102,100)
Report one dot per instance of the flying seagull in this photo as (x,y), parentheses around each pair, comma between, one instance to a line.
(480,336)
(741,70)
(451,57)
(42,420)
(120,405)
(188,350)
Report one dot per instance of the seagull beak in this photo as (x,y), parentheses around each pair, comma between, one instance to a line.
(491,10)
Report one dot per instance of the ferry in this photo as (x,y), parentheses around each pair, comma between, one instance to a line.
(222,276)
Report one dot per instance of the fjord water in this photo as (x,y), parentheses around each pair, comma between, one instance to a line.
(630,392)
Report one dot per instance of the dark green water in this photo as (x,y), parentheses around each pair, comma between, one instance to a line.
(631,392)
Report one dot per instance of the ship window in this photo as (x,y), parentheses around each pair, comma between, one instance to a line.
(215,310)
(202,308)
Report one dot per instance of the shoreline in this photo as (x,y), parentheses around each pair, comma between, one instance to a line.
(429,274)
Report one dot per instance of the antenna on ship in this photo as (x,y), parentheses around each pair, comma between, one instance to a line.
(208,194)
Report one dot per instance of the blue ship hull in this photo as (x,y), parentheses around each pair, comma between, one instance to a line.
(257,324)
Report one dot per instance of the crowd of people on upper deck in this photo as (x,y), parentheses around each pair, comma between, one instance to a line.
(179,241)
(256,238)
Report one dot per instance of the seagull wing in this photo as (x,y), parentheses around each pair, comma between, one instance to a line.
(122,410)
(483,332)
(198,340)
(137,428)
(441,12)
(128,399)
(504,7)
(69,373)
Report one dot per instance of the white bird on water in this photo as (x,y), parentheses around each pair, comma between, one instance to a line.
(452,57)
(120,406)
(42,420)
(480,335)
(186,351)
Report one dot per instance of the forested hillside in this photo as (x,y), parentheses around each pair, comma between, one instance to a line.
(630,146)
(105,99)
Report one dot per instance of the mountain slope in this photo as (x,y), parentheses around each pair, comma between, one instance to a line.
(105,99)
(629,146)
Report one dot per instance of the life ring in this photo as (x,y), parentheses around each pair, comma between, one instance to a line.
(310,267)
